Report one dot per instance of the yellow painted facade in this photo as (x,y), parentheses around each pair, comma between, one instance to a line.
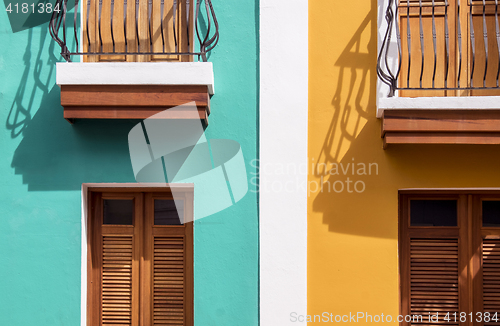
(352,234)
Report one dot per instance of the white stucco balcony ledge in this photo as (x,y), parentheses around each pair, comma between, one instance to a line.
(438,103)
(134,90)
(136,73)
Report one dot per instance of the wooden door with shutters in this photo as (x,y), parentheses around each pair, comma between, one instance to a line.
(138,26)
(450,256)
(433,264)
(140,258)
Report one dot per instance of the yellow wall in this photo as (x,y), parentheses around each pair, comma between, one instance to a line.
(352,246)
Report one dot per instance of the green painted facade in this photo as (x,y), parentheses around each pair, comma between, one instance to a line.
(44,161)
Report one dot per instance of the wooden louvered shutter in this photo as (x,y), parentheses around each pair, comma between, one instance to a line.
(434,279)
(491,277)
(116,279)
(169,250)
(433,267)
(113,263)
(486,263)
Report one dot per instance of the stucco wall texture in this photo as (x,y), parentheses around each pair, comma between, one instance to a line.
(352,236)
(44,161)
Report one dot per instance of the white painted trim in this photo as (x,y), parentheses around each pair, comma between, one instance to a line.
(283,142)
(383,89)
(441,103)
(85,187)
(136,73)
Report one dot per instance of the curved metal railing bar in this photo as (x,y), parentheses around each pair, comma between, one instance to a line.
(447,43)
(473,46)
(485,40)
(434,43)
(459,36)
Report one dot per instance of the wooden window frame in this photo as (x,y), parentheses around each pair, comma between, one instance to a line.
(469,232)
(143,219)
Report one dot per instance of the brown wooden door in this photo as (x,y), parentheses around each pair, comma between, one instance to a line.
(139,272)
(453,270)
(433,265)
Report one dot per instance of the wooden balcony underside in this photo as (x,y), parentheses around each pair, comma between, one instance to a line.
(133,101)
(441,127)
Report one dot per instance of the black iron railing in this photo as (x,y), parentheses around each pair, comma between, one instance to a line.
(113,30)
(440,45)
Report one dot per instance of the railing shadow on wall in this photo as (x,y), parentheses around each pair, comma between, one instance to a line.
(31,84)
(353,128)
(36,13)
(54,155)
(354,136)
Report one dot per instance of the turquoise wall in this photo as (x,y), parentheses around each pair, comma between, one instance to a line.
(44,160)
(226,244)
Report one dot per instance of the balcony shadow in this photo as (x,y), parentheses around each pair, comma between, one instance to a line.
(54,155)
(20,113)
(353,128)
(354,137)
(52,152)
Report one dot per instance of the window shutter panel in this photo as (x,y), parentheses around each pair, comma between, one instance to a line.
(433,266)
(172,275)
(434,280)
(169,280)
(491,277)
(116,279)
(169,251)
(114,266)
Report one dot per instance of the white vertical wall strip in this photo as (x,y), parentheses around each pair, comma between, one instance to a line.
(283,160)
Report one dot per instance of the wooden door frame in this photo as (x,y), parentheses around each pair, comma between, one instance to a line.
(470,229)
(407,232)
(92,209)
